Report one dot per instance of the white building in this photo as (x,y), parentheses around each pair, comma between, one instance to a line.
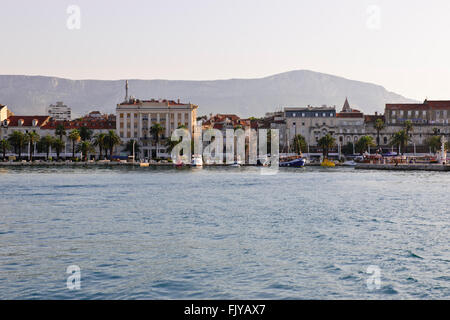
(134,119)
(59,111)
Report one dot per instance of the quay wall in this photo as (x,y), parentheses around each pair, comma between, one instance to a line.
(421,167)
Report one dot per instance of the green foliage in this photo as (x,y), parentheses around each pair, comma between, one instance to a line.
(363,144)
(326,143)
(400,139)
(4,147)
(299,144)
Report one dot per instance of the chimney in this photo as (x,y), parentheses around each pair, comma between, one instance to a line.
(376,113)
(178,101)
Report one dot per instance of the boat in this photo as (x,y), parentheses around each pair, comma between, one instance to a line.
(235,164)
(349,163)
(197,160)
(327,163)
(144,164)
(296,163)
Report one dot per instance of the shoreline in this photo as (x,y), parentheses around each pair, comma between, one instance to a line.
(403,167)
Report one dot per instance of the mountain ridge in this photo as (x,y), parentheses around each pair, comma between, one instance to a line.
(25,94)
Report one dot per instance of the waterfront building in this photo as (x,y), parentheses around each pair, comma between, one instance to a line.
(310,122)
(94,121)
(428,118)
(136,117)
(350,126)
(59,111)
(24,124)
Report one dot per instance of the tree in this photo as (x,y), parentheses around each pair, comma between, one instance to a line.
(17,140)
(31,138)
(60,130)
(85,147)
(156,131)
(326,143)
(435,144)
(100,142)
(85,134)
(348,148)
(58,145)
(112,140)
(129,147)
(379,125)
(4,146)
(299,143)
(400,139)
(45,143)
(364,143)
(171,144)
(74,136)
(408,127)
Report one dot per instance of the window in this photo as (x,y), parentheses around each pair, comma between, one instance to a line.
(121,115)
(393,112)
(324,114)
(401,112)
(128,115)
(409,113)
(317,114)
(303,115)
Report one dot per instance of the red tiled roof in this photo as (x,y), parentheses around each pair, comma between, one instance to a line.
(13,121)
(347,114)
(77,124)
(426,105)
(373,117)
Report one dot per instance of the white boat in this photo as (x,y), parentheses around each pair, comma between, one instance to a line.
(235,164)
(349,163)
(197,160)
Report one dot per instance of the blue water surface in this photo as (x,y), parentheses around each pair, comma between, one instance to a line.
(223,233)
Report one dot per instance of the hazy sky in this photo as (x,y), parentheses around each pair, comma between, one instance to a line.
(402,45)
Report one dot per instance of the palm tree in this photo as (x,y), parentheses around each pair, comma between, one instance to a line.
(379,125)
(364,143)
(129,147)
(171,144)
(60,131)
(299,143)
(58,145)
(156,131)
(408,126)
(17,140)
(326,143)
(100,142)
(85,147)
(45,143)
(112,140)
(74,136)
(400,139)
(434,142)
(31,138)
(85,134)
(5,146)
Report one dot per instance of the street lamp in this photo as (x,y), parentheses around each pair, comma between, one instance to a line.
(134,141)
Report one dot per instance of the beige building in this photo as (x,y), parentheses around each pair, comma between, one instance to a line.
(310,122)
(59,112)
(134,119)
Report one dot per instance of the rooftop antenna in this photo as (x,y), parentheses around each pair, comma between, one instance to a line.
(126,90)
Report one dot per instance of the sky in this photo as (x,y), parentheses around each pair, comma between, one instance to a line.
(401,45)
